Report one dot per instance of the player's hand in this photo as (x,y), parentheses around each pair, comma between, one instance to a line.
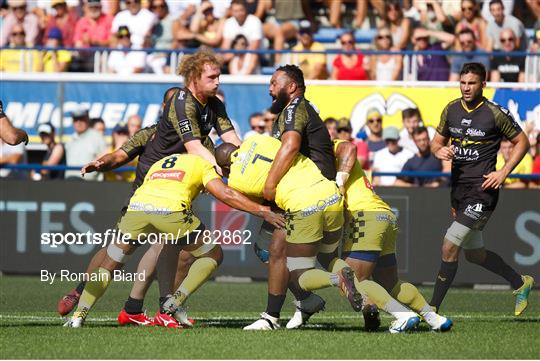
(275,219)
(494,180)
(24,137)
(93,166)
(269,193)
(445,153)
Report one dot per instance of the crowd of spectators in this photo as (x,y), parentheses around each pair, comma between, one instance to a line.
(467,26)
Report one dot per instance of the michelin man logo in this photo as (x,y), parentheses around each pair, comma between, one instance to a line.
(395,103)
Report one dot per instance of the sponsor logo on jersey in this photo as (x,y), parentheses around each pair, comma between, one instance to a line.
(149,208)
(247,157)
(181,95)
(169,174)
(475,132)
(185,126)
(466,122)
(289,114)
(320,206)
(474,211)
(455,130)
(465,153)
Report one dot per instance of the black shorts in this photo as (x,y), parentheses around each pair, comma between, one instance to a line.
(472,205)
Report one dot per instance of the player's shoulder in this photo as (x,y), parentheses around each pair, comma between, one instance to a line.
(215,103)
(497,109)
(453,104)
(181,96)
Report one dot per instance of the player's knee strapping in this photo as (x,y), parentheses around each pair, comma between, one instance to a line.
(458,233)
(409,295)
(296,263)
(203,249)
(116,253)
(95,288)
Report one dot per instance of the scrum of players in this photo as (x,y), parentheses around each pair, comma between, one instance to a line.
(311,193)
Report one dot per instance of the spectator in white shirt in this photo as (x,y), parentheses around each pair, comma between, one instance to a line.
(125,61)
(86,144)
(412,119)
(138,20)
(242,23)
(502,21)
(12,154)
(392,158)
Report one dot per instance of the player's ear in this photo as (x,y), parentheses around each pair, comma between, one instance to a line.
(292,87)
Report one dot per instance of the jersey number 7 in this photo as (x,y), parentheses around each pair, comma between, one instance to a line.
(261,157)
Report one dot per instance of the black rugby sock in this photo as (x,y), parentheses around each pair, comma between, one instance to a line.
(298,293)
(80,287)
(133,306)
(274,305)
(444,280)
(496,264)
(161,302)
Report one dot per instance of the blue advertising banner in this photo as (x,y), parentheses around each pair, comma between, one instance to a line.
(29,103)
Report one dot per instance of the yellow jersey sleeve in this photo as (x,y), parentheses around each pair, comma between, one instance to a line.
(208,172)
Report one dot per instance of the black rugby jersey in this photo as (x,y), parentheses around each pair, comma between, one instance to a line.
(300,115)
(475,136)
(184,119)
(2,114)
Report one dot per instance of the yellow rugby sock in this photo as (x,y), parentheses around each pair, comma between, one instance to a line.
(337,265)
(378,295)
(409,295)
(315,279)
(199,272)
(93,291)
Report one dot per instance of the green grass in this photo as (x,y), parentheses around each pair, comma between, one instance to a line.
(30,328)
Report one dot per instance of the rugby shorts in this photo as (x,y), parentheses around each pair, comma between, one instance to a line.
(321,211)
(373,230)
(472,205)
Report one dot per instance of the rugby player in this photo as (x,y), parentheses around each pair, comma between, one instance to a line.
(188,117)
(313,209)
(369,248)
(469,134)
(8,133)
(162,204)
(300,130)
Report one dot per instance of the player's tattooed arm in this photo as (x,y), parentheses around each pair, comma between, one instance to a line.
(521,147)
(346,158)
(239,201)
(290,146)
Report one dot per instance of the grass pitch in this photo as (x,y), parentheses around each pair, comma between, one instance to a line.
(484,328)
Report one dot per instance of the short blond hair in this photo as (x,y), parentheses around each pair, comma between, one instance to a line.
(191,66)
